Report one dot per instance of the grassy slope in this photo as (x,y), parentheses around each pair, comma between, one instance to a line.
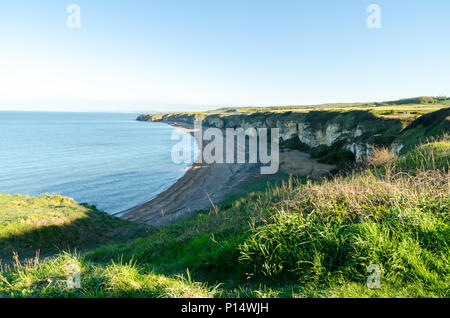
(50,223)
(417,105)
(406,110)
(311,239)
(426,126)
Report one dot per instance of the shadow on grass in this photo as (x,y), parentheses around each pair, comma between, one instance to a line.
(50,236)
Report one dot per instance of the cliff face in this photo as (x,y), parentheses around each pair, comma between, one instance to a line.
(327,135)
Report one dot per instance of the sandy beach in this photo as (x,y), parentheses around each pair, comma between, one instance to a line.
(204,185)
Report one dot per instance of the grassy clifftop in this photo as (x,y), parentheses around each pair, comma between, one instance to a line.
(298,239)
(336,135)
(406,109)
(50,223)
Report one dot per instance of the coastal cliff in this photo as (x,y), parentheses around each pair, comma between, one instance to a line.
(304,238)
(330,136)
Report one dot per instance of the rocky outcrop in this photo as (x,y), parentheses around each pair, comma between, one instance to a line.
(320,132)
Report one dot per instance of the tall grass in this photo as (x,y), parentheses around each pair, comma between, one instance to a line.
(117,279)
(330,232)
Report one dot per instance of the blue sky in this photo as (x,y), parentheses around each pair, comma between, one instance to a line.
(177,55)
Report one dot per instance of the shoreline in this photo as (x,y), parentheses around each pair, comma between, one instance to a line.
(123,213)
(205,185)
(202,186)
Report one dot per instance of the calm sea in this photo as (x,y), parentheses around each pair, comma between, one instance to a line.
(110,160)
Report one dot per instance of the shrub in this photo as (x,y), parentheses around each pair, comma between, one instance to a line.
(380,157)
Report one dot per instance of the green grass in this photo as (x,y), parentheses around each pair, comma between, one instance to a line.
(296,238)
(44,225)
(406,109)
(428,126)
(117,279)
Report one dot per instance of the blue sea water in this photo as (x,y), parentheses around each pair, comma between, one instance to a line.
(110,160)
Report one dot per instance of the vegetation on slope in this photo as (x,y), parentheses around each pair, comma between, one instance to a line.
(403,108)
(378,132)
(44,225)
(356,128)
(313,239)
(406,110)
(426,126)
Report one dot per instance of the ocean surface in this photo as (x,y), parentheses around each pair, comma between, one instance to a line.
(109,160)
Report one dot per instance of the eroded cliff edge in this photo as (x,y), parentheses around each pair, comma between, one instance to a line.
(332,137)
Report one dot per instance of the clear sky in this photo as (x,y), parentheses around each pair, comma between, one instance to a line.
(177,55)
